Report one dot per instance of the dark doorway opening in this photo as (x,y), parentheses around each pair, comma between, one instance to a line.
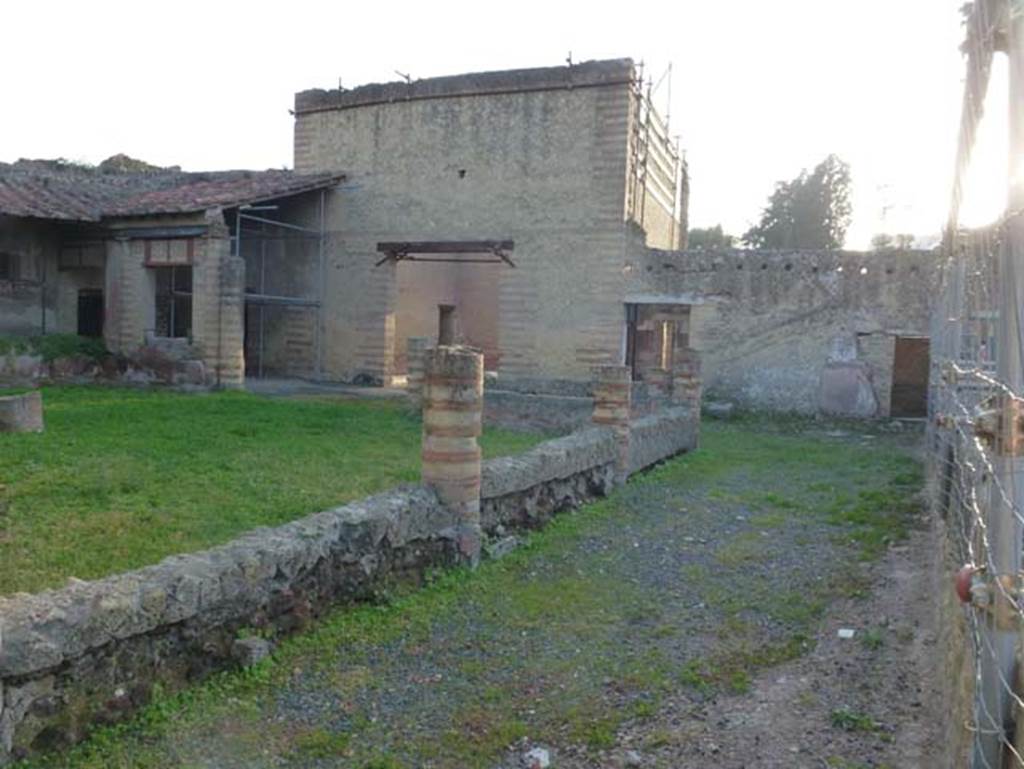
(655,334)
(90,312)
(910,363)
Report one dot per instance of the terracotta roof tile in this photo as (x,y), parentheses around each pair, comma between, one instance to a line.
(46,190)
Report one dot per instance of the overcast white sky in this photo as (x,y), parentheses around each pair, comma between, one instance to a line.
(759,89)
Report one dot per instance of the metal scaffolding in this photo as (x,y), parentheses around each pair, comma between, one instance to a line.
(279,285)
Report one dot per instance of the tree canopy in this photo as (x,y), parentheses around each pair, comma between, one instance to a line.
(709,238)
(886,242)
(812,211)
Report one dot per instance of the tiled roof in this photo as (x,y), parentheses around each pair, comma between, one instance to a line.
(51,190)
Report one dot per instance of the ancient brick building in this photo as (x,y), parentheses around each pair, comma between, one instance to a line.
(556,161)
(547,205)
(147,260)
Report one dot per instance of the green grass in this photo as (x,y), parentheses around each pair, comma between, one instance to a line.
(122,478)
(854,721)
(549,643)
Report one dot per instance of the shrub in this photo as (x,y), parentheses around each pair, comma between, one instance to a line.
(52,346)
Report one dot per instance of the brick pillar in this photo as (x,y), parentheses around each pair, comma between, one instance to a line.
(658,381)
(686,382)
(218,307)
(415,350)
(453,396)
(231,363)
(613,387)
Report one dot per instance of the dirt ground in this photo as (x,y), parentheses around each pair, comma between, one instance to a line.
(869,701)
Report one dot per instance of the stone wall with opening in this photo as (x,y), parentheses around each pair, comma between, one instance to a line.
(797,331)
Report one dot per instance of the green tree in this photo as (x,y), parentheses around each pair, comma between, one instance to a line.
(709,238)
(812,211)
(881,242)
(885,242)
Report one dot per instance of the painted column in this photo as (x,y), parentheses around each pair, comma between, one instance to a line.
(453,396)
(613,386)
(415,350)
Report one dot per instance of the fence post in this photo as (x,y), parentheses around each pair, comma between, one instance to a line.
(613,386)
(452,422)
(415,350)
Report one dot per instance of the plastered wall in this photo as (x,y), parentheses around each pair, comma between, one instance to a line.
(773,328)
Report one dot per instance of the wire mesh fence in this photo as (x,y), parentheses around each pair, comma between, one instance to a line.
(977,420)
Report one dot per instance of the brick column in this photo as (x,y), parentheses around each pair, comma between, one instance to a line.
(686,382)
(453,396)
(415,350)
(613,387)
(658,381)
(231,363)
(218,306)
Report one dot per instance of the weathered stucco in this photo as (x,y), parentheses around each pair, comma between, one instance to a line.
(793,331)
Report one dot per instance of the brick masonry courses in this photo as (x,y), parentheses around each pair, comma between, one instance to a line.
(90,653)
(540,157)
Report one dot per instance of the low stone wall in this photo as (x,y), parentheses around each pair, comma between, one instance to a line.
(91,652)
(150,365)
(524,411)
(659,436)
(525,491)
(560,413)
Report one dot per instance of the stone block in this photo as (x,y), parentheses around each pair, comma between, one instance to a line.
(22,413)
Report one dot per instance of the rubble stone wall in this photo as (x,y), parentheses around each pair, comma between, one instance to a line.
(91,652)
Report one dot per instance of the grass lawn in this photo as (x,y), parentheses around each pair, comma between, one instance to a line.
(122,478)
(692,578)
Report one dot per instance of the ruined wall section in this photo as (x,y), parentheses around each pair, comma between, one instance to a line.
(34,246)
(771,325)
(536,156)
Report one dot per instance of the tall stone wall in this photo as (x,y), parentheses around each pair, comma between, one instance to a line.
(775,330)
(537,156)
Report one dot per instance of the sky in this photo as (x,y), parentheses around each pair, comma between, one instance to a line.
(759,90)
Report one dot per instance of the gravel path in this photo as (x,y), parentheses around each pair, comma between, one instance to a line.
(663,627)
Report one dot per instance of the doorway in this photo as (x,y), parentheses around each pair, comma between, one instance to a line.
(655,333)
(910,363)
(90,312)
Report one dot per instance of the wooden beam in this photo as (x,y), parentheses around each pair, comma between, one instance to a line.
(446,247)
